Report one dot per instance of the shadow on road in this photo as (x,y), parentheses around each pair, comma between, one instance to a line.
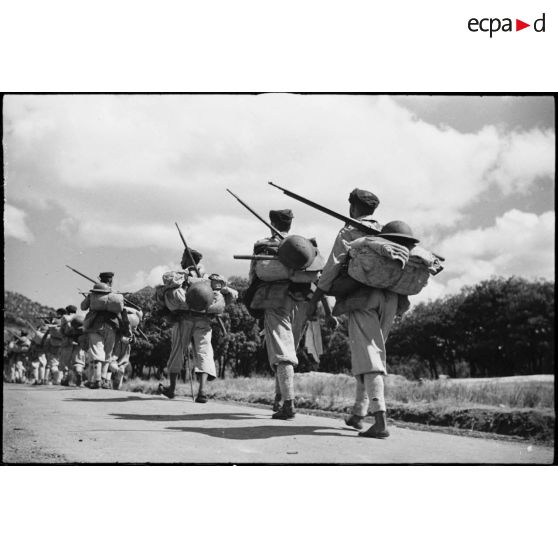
(260,432)
(169,418)
(114,399)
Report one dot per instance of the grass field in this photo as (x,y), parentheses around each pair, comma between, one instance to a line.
(522,405)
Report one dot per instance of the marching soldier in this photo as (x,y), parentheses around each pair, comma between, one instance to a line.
(193,300)
(282,295)
(52,343)
(125,336)
(18,349)
(67,347)
(369,323)
(101,322)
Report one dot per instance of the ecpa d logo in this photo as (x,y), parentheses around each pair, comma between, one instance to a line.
(493,25)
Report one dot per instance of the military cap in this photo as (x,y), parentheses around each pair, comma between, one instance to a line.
(364,197)
(106,275)
(71,309)
(281,216)
(186,259)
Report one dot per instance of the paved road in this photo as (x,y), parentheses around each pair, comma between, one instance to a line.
(51,424)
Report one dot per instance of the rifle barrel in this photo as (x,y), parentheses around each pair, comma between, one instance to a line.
(255,257)
(272,228)
(191,258)
(219,320)
(349,220)
(82,274)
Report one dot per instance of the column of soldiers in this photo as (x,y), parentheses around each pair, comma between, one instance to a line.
(288,278)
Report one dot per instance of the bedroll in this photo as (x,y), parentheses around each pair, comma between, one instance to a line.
(380,263)
(270,295)
(271,270)
(106,302)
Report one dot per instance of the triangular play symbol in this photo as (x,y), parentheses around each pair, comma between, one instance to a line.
(519,25)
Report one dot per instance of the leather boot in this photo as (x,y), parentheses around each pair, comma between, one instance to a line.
(286,412)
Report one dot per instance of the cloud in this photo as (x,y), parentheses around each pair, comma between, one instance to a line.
(518,243)
(524,157)
(155,158)
(150,278)
(123,169)
(15,225)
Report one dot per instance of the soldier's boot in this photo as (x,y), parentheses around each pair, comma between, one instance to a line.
(379,428)
(169,391)
(355,421)
(202,397)
(277,402)
(95,382)
(286,412)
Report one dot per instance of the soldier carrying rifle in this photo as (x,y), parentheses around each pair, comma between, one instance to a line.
(192,298)
(371,270)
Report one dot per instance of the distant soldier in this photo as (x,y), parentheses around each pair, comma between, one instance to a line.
(193,301)
(371,312)
(52,343)
(281,294)
(125,336)
(66,349)
(100,324)
(18,349)
(74,351)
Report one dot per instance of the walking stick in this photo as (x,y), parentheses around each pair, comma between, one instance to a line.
(188,367)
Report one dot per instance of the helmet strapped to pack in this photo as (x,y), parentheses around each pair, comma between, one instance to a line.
(77,322)
(398,229)
(199,296)
(296,252)
(100,288)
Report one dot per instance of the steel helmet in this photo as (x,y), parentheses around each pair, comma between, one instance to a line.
(101,288)
(199,296)
(398,229)
(296,252)
(77,322)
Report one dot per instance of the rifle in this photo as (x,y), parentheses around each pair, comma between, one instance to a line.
(272,228)
(128,302)
(255,257)
(363,227)
(193,264)
(125,300)
(324,301)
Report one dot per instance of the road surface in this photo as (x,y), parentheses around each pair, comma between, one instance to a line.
(53,424)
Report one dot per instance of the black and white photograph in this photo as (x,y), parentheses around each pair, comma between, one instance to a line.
(279,278)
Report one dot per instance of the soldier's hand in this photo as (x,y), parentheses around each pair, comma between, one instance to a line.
(311,310)
(331,322)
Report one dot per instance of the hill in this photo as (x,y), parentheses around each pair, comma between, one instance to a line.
(17,307)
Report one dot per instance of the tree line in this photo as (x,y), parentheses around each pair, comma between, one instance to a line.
(500,327)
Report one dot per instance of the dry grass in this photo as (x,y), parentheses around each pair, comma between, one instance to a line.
(329,391)
(515,407)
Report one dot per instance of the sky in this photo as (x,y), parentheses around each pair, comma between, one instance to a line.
(98,181)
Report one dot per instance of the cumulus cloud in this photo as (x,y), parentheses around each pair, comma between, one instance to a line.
(15,225)
(523,157)
(149,278)
(518,243)
(122,169)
